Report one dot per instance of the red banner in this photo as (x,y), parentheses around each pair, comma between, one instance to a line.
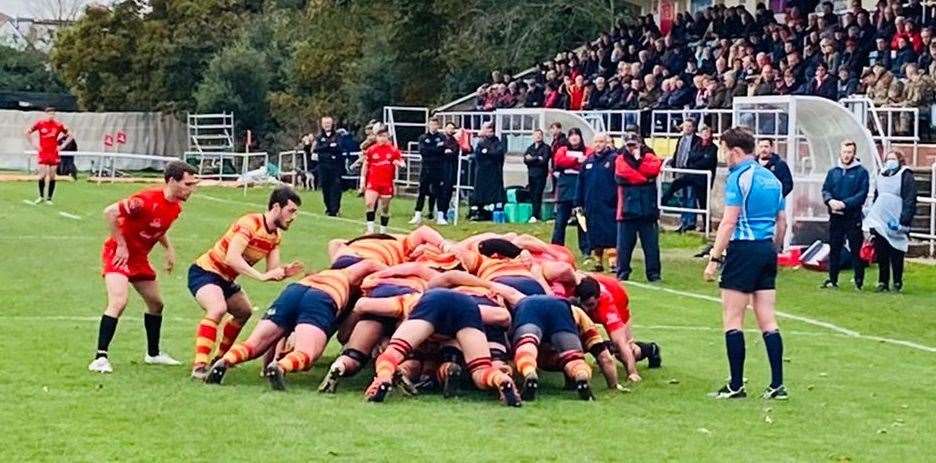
(666,16)
(108,140)
(121,137)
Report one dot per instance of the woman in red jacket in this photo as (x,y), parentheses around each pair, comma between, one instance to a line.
(567,163)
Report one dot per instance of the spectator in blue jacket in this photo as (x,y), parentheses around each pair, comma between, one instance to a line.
(844,192)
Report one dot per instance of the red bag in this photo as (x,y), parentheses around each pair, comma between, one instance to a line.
(867,252)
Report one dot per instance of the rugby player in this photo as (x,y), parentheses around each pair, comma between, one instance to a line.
(606,302)
(309,309)
(50,130)
(379,172)
(211,279)
(388,250)
(450,314)
(136,224)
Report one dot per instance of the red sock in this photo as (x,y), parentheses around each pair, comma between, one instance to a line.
(229,333)
(205,337)
(387,362)
(239,353)
(295,361)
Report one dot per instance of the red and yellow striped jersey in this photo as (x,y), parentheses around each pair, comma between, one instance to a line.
(436,258)
(407,303)
(252,231)
(412,281)
(489,268)
(335,283)
(387,252)
(588,331)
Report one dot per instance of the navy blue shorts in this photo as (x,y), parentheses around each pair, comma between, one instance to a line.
(750,266)
(199,277)
(526,285)
(551,314)
(390,290)
(300,304)
(345,262)
(448,311)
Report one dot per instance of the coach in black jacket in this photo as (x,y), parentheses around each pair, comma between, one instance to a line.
(844,191)
(536,159)
(431,172)
(774,163)
(330,165)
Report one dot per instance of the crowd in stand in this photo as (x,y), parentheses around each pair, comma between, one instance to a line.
(708,58)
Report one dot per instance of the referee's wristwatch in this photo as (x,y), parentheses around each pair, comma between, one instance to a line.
(717,260)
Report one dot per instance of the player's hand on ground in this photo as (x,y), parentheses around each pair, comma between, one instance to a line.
(169,257)
(121,255)
(710,271)
(293,268)
(621,388)
(634,378)
(275,274)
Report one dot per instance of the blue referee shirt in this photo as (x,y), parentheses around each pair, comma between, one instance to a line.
(759,195)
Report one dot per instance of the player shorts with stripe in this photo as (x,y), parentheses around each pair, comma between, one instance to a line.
(543,316)
(199,278)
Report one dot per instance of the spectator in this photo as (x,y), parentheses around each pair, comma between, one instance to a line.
(905,55)
(889,219)
(880,82)
(881,54)
(611,99)
(931,69)
(824,84)
(636,169)
(775,164)
(703,157)
(765,83)
(919,94)
(851,60)
(488,195)
(789,85)
(431,173)
(685,146)
(576,94)
(597,196)
(331,165)
(568,161)
(535,96)
(844,192)
(537,158)
(847,84)
(456,144)
(597,94)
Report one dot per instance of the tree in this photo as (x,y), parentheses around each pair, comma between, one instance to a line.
(26,71)
(237,80)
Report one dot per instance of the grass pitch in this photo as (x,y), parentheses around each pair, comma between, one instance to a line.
(855,394)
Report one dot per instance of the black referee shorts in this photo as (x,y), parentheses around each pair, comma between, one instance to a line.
(750,266)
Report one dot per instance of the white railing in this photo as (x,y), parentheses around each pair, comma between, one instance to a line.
(469,121)
(664,123)
(614,122)
(389,119)
(217,158)
(107,160)
(931,200)
(674,210)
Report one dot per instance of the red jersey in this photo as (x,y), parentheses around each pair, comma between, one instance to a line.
(613,304)
(381,170)
(144,218)
(49,132)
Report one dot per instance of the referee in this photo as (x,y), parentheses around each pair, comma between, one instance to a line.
(752,223)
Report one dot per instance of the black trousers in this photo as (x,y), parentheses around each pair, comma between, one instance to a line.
(888,259)
(431,181)
(330,181)
(841,230)
(537,184)
(649,232)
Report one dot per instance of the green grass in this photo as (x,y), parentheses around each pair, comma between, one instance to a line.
(852,398)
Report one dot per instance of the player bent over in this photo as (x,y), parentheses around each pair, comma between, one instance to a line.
(136,224)
(249,240)
(309,309)
(450,314)
(379,172)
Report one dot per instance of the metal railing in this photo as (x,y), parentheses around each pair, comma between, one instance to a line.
(106,167)
(665,122)
(470,121)
(611,121)
(217,159)
(674,210)
(931,200)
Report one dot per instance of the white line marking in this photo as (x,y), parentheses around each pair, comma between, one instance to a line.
(720,330)
(69,216)
(311,214)
(810,321)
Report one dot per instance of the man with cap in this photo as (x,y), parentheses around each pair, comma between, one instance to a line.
(636,169)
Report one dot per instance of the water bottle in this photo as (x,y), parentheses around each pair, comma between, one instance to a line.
(500,217)
(450,215)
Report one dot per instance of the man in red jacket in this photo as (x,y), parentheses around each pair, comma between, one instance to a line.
(636,170)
